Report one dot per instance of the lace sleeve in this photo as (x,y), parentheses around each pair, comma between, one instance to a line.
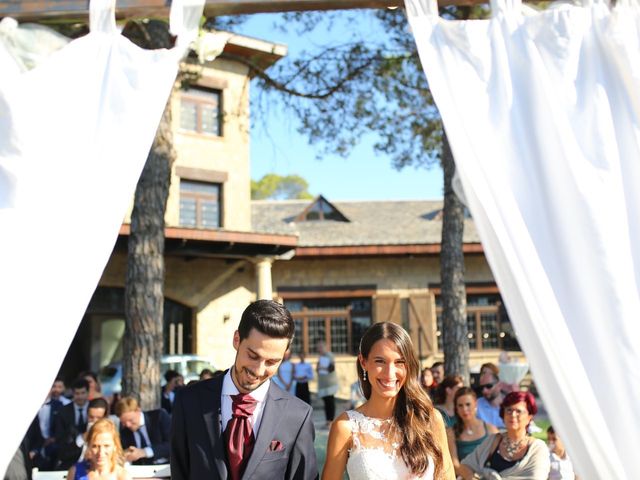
(373,433)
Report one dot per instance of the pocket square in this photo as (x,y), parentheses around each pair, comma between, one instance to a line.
(276,446)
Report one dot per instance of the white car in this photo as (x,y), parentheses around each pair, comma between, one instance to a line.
(188,365)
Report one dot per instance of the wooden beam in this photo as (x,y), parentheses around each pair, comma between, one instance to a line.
(42,10)
(230,7)
(381,250)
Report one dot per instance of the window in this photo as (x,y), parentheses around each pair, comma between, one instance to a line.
(199,204)
(339,322)
(488,325)
(201,111)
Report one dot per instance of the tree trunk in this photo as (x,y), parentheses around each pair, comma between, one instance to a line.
(454,302)
(144,284)
(144,288)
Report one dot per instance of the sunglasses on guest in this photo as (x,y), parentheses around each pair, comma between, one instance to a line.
(486,386)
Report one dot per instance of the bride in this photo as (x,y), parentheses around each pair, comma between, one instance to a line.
(396,433)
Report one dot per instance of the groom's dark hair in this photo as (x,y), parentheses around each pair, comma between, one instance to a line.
(269,318)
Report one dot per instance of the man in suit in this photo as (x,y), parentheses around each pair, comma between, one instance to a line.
(175,382)
(144,435)
(46,457)
(70,422)
(97,409)
(240,424)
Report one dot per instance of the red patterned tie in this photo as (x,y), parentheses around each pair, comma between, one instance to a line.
(239,434)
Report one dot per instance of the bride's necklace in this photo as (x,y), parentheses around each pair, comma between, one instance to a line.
(512,447)
(469,430)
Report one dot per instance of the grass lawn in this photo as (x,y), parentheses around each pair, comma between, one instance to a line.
(543,424)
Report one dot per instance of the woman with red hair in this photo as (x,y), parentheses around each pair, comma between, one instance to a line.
(514,454)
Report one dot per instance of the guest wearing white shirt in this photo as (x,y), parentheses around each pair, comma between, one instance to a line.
(144,435)
(49,410)
(46,419)
(69,422)
(561,465)
(96,410)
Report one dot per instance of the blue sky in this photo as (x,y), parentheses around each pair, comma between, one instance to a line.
(364,175)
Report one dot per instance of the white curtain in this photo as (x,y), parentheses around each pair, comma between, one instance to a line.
(75,131)
(542,111)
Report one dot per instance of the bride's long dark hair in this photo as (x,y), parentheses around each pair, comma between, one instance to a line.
(413,411)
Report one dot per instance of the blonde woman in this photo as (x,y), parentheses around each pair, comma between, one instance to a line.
(396,434)
(104,459)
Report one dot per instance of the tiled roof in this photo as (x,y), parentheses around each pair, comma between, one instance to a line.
(370,223)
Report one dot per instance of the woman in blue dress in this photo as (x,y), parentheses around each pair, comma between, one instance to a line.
(104,459)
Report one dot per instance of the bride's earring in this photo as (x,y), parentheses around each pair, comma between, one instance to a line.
(364,375)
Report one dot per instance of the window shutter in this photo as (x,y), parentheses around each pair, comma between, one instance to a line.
(422,325)
(387,308)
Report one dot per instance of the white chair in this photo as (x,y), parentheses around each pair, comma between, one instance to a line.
(149,471)
(57,475)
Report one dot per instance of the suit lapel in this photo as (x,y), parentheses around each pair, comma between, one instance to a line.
(127,438)
(148,426)
(274,408)
(210,400)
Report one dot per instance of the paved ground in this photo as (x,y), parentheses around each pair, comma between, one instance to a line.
(322,432)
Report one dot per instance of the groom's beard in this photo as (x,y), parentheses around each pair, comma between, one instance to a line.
(245,379)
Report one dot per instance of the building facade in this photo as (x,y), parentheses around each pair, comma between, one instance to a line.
(338,266)
(215,262)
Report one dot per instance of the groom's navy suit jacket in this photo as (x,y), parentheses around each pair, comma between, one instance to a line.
(283,448)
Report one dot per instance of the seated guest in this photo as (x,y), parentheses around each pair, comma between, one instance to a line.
(47,456)
(561,465)
(443,398)
(69,423)
(426,380)
(104,457)
(468,431)
(144,435)
(490,399)
(514,454)
(175,381)
(97,410)
(437,371)
(95,390)
(493,368)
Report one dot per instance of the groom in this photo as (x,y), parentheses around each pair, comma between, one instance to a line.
(240,425)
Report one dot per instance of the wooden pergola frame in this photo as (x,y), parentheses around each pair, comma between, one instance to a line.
(39,10)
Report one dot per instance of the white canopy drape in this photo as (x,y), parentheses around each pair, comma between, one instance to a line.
(74,135)
(542,111)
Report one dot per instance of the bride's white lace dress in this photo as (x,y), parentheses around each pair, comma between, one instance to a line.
(374,454)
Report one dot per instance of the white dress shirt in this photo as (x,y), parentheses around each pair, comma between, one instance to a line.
(229,388)
(44,416)
(85,410)
(142,430)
